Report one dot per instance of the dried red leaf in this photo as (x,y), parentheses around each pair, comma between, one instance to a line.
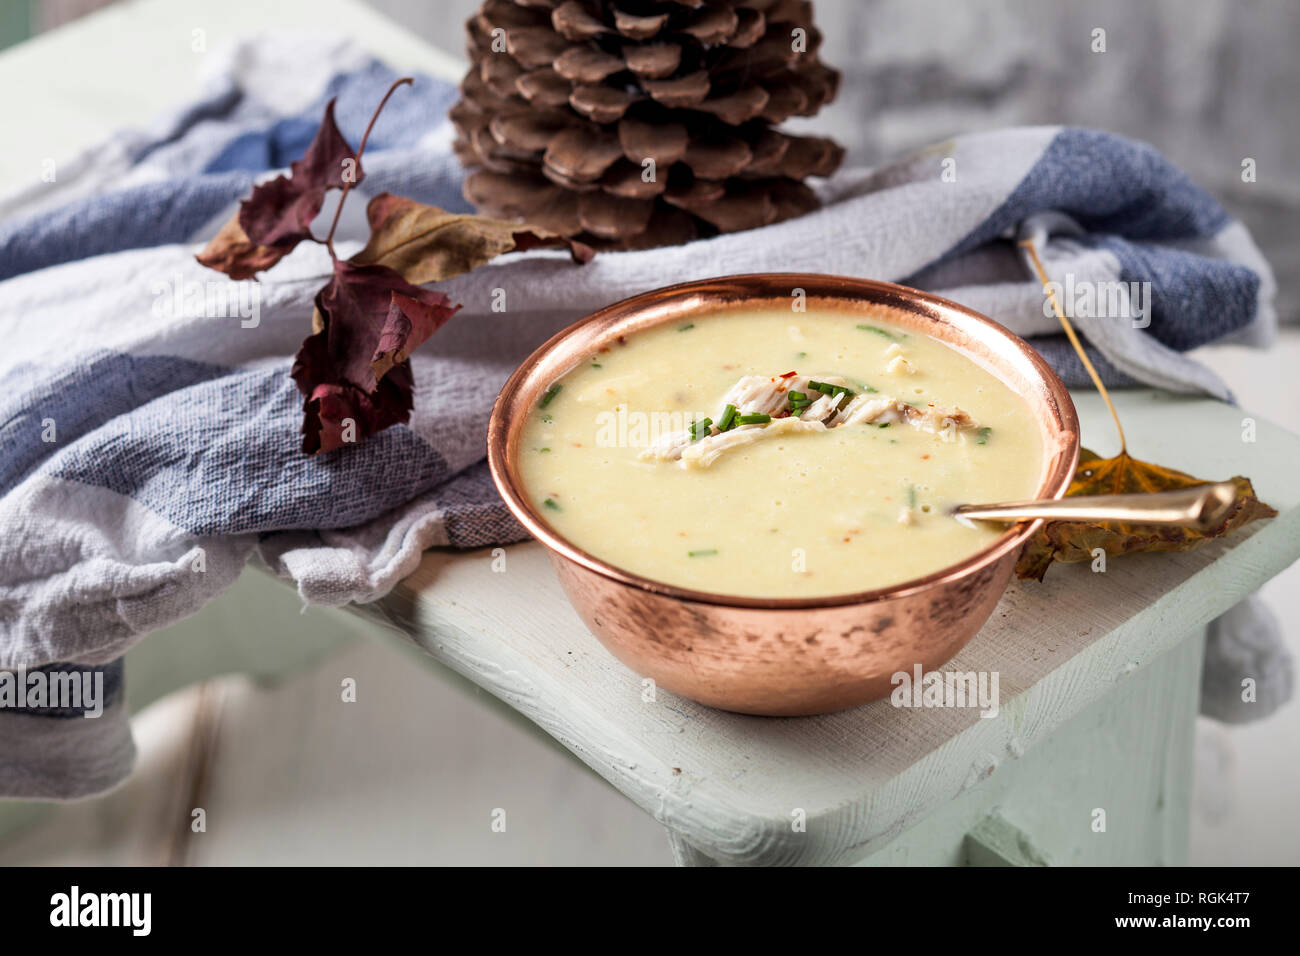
(279,213)
(336,415)
(353,372)
(409,324)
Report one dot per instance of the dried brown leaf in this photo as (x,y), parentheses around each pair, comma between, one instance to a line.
(1072,541)
(232,252)
(428,244)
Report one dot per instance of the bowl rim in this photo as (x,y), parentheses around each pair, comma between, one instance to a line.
(502,423)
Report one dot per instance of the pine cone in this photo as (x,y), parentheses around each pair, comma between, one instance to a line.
(567,101)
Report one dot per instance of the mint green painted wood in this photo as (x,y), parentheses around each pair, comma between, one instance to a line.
(15,814)
(15,22)
(686,854)
(257,628)
(1129,754)
(995,842)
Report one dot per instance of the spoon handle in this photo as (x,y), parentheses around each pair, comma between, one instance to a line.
(1203,507)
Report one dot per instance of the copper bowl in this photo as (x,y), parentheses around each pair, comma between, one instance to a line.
(785,656)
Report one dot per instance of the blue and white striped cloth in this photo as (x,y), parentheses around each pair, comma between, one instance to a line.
(149,440)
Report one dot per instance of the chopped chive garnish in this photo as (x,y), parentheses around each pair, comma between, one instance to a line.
(832,390)
(701,554)
(879,331)
(868,389)
(596,365)
(550,395)
(911,496)
(798,401)
(801,355)
(884,425)
(547,419)
(984,435)
(686,328)
(700,429)
(550,503)
(757,418)
(543,450)
(728,419)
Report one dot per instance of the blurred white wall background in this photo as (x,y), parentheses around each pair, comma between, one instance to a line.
(1208,82)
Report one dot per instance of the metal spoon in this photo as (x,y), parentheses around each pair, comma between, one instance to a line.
(1203,508)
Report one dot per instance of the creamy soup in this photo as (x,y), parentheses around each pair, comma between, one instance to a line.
(777,454)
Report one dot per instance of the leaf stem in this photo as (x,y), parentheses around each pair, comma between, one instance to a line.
(361,148)
(1074,340)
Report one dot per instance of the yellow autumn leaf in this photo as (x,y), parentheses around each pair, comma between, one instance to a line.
(1069,541)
